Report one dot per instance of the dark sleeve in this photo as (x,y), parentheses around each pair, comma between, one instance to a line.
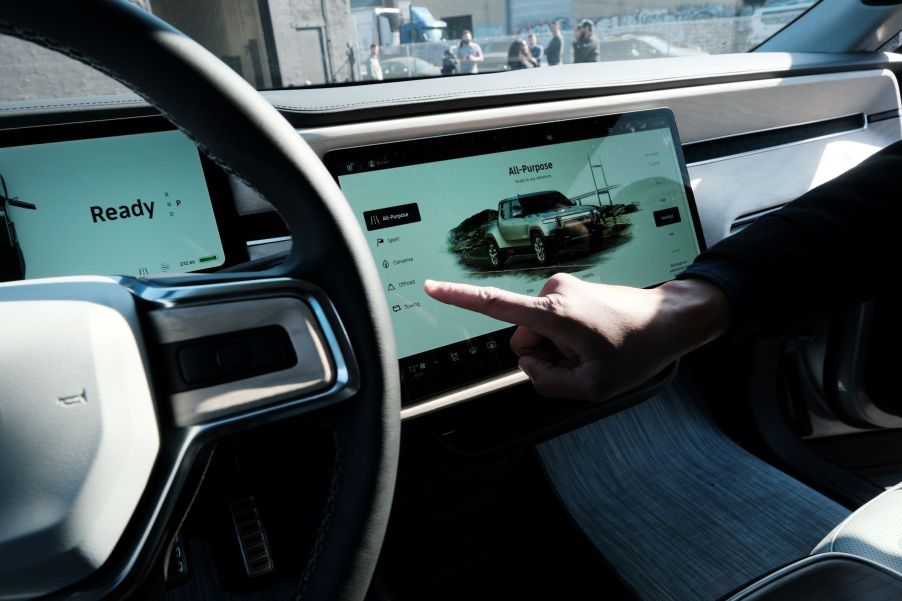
(839,243)
(553,52)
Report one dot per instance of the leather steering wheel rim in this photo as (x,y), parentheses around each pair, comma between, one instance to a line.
(241,131)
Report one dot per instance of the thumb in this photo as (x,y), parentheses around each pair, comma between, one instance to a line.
(549,378)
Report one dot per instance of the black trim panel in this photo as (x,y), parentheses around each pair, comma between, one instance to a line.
(884,116)
(748,219)
(731,145)
(53,113)
(261,226)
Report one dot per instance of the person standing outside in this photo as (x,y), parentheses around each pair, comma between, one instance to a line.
(469,54)
(449,63)
(373,68)
(585,46)
(534,49)
(553,51)
(519,56)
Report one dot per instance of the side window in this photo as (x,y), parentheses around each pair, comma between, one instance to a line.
(503,209)
(516,211)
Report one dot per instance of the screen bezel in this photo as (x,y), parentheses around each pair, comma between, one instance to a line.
(224,211)
(390,155)
(418,151)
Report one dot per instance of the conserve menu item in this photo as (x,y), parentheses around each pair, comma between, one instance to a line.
(133,204)
(605,199)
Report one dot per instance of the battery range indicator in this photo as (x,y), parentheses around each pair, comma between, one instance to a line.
(207,259)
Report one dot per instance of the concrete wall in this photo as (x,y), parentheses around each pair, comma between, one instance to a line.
(489,16)
(714,36)
(230,29)
(309,37)
(529,15)
(593,9)
(299,27)
(30,72)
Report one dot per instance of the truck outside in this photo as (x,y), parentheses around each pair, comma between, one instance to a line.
(399,32)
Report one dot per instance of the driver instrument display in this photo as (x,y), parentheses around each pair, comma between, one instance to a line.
(606,199)
(127,205)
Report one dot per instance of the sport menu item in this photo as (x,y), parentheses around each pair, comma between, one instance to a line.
(128,205)
(606,199)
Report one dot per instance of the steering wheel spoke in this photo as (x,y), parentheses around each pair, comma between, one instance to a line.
(242,353)
(205,356)
(91,426)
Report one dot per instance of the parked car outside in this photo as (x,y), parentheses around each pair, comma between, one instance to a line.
(404,67)
(495,52)
(638,45)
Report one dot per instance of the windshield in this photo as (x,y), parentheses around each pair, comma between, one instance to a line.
(543,203)
(278,44)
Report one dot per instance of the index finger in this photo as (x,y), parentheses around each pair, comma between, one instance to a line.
(529,311)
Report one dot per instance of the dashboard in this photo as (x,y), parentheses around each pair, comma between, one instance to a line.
(604,198)
(460,195)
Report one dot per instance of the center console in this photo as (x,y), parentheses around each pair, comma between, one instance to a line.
(606,199)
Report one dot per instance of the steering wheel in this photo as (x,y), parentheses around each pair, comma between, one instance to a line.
(94,448)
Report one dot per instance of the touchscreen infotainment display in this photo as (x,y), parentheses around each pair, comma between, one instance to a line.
(126,205)
(605,199)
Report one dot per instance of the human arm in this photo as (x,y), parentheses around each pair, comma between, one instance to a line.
(537,53)
(835,245)
(592,341)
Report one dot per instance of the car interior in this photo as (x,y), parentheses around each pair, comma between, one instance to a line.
(220,377)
